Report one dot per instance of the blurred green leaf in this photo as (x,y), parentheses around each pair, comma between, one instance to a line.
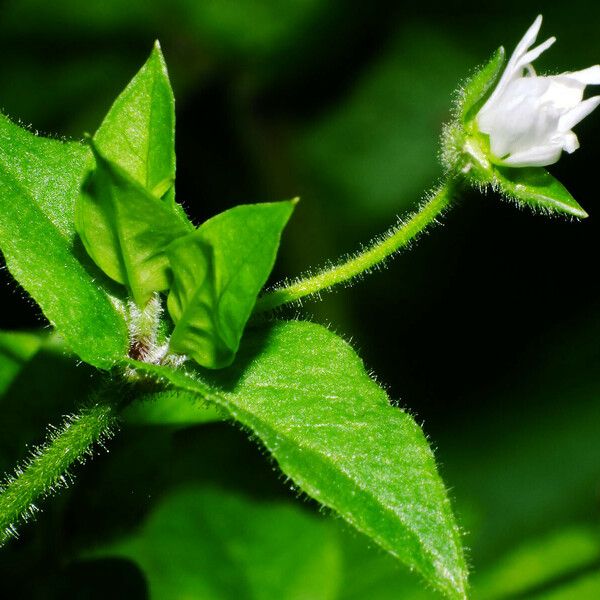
(39,384)
(375,151)
(210,544)
(305,394)
(582,588)
(16,349)
(248,28)
(126,229)
(541,562)
(39,182)
(218,272)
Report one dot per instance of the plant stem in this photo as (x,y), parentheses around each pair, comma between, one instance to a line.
(48,467)
(378,251)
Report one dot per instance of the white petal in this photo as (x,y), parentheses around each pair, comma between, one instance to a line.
(589,76)
(529,38)
(569,142)
(530,56)
(563,93)
(540,156)
(580,112)
(512,67)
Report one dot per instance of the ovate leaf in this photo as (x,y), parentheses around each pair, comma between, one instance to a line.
(39,183)
(218,272)
(126,229)
(479,87)
(138,133)
(535,187)
(305,394)
(210,544)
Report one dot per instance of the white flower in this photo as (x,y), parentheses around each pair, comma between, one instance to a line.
(528,117)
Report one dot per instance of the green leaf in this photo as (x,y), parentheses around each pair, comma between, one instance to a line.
(126,229)
(305,394)
(170,407)
(218,272)
(138,133)
(478,88)
(541,563)
(535,187)
(39,183)
(211,544)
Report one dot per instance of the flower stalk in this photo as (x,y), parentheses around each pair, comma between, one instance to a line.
(48,468)
(381,249)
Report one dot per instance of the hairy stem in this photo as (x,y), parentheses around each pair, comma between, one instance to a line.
(378,251)
(48,466)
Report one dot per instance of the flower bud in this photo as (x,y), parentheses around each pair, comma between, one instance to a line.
(511,124)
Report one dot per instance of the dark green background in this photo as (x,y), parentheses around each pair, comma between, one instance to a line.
(486,330)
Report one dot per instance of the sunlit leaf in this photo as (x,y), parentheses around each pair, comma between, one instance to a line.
(305,394)
(39,183)
(138,133)
(218,272)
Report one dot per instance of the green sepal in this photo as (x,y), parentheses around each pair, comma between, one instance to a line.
(477,90)
(528,186)
(126,229)
(535,187)
(218,272)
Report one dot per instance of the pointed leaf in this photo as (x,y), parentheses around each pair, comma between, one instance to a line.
(138,133)
(39,183)
(125,229)
(305,394)
(479,87)
(218,272)
(535,187)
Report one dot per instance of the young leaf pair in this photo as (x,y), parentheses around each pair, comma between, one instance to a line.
(130,225)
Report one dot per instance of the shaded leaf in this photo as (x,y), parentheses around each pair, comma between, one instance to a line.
(39,183)
(211,544)
(170,407)
(126,229)
(16,349)
(218,272)
(305,394)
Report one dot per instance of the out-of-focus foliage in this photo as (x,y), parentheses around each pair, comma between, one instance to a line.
(487,329)
(204,543)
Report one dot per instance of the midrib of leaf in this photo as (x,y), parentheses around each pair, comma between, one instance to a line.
(270,437)
(149,128)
